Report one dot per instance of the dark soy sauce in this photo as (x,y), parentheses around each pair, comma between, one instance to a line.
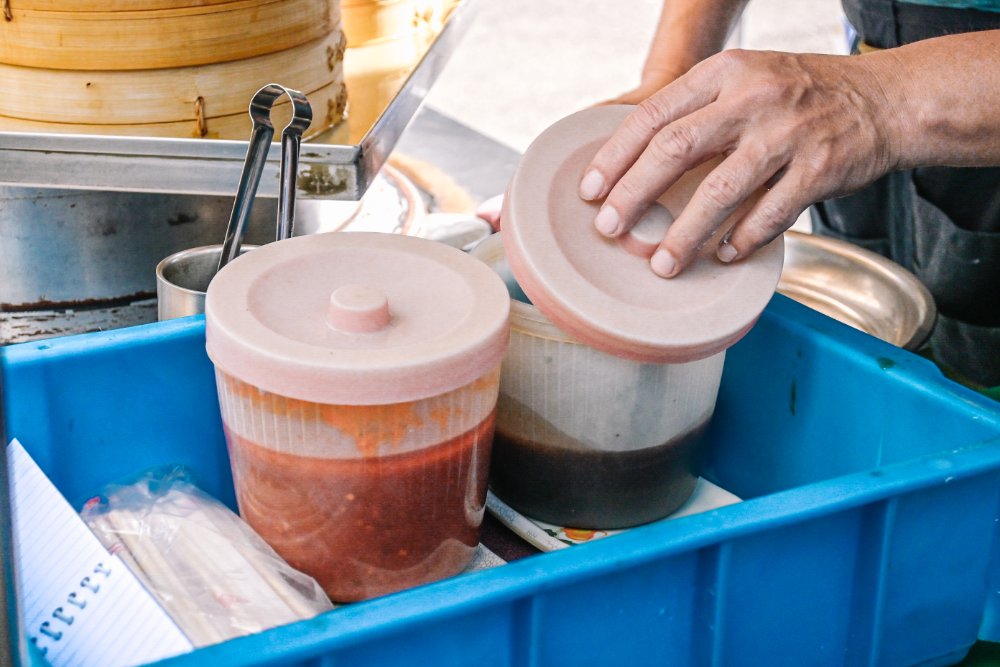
(568,483)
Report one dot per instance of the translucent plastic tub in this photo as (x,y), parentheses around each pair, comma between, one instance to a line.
(612,373)
(339,490)
(587,439)
(357,377)
(868,534)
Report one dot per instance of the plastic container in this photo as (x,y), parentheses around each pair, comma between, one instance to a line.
(867,535)
(587,439)
(357,378)
(613,371)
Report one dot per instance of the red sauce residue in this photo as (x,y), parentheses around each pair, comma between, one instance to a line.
(368,526)
(276,403)
(371,426)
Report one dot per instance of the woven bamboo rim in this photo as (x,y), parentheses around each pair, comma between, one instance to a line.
(164,95)
(329,105)
(179,37)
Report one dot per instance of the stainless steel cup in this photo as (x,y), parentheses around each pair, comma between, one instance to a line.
(182,280)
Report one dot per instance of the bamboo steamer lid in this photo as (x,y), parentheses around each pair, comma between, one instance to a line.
(165,95)
(331,98)
(180,36)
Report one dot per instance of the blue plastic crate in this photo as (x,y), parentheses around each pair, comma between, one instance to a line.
(869,535)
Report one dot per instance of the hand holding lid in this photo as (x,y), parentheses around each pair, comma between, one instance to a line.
(602,291)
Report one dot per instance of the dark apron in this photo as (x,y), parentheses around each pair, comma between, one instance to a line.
(941,223)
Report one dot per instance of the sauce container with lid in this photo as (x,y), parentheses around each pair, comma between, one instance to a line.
(612,372)
(357,377)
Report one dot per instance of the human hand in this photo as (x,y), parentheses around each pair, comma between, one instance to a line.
(489,210)
(801,128)
(652,81)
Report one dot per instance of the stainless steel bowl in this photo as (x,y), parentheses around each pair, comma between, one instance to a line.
(857,287)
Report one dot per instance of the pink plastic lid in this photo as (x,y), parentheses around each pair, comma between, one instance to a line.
(602,291)
(356,318)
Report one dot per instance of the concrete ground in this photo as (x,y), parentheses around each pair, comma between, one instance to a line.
(526,63)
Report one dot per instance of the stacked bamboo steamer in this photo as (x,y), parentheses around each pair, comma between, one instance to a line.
(385,41)
(165,68)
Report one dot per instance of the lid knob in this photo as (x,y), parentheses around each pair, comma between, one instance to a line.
(358,309)
(644,238)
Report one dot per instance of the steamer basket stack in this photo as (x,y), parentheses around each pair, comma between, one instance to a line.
(386,39)
(165,68)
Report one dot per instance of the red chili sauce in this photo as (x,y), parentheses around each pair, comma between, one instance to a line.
(372,525)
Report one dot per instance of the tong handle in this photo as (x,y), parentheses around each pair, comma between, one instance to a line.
(291,143)
(253,166)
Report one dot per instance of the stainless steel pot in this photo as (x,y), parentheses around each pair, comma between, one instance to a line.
(73,261)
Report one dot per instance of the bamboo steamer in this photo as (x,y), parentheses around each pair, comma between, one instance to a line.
(111,5)
(329,104)
(366,22)
(165,95)
(376,71)
(184,34)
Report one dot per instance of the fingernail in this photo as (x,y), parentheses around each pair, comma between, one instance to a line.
(607,221)
(726,251)
(663,263)
(592,185)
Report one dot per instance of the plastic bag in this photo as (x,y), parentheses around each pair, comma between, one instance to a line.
(208,569)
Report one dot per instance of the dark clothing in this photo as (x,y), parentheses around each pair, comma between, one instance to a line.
(941,223)
(885,24)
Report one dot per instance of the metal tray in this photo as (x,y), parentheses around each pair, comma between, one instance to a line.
(857,287)
(212,167)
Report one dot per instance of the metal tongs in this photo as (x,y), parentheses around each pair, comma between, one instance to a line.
(253,166)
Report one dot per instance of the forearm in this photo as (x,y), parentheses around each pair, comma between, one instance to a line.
(688,32)
(944,97)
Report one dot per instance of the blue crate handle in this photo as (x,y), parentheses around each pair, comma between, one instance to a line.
(11,652)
